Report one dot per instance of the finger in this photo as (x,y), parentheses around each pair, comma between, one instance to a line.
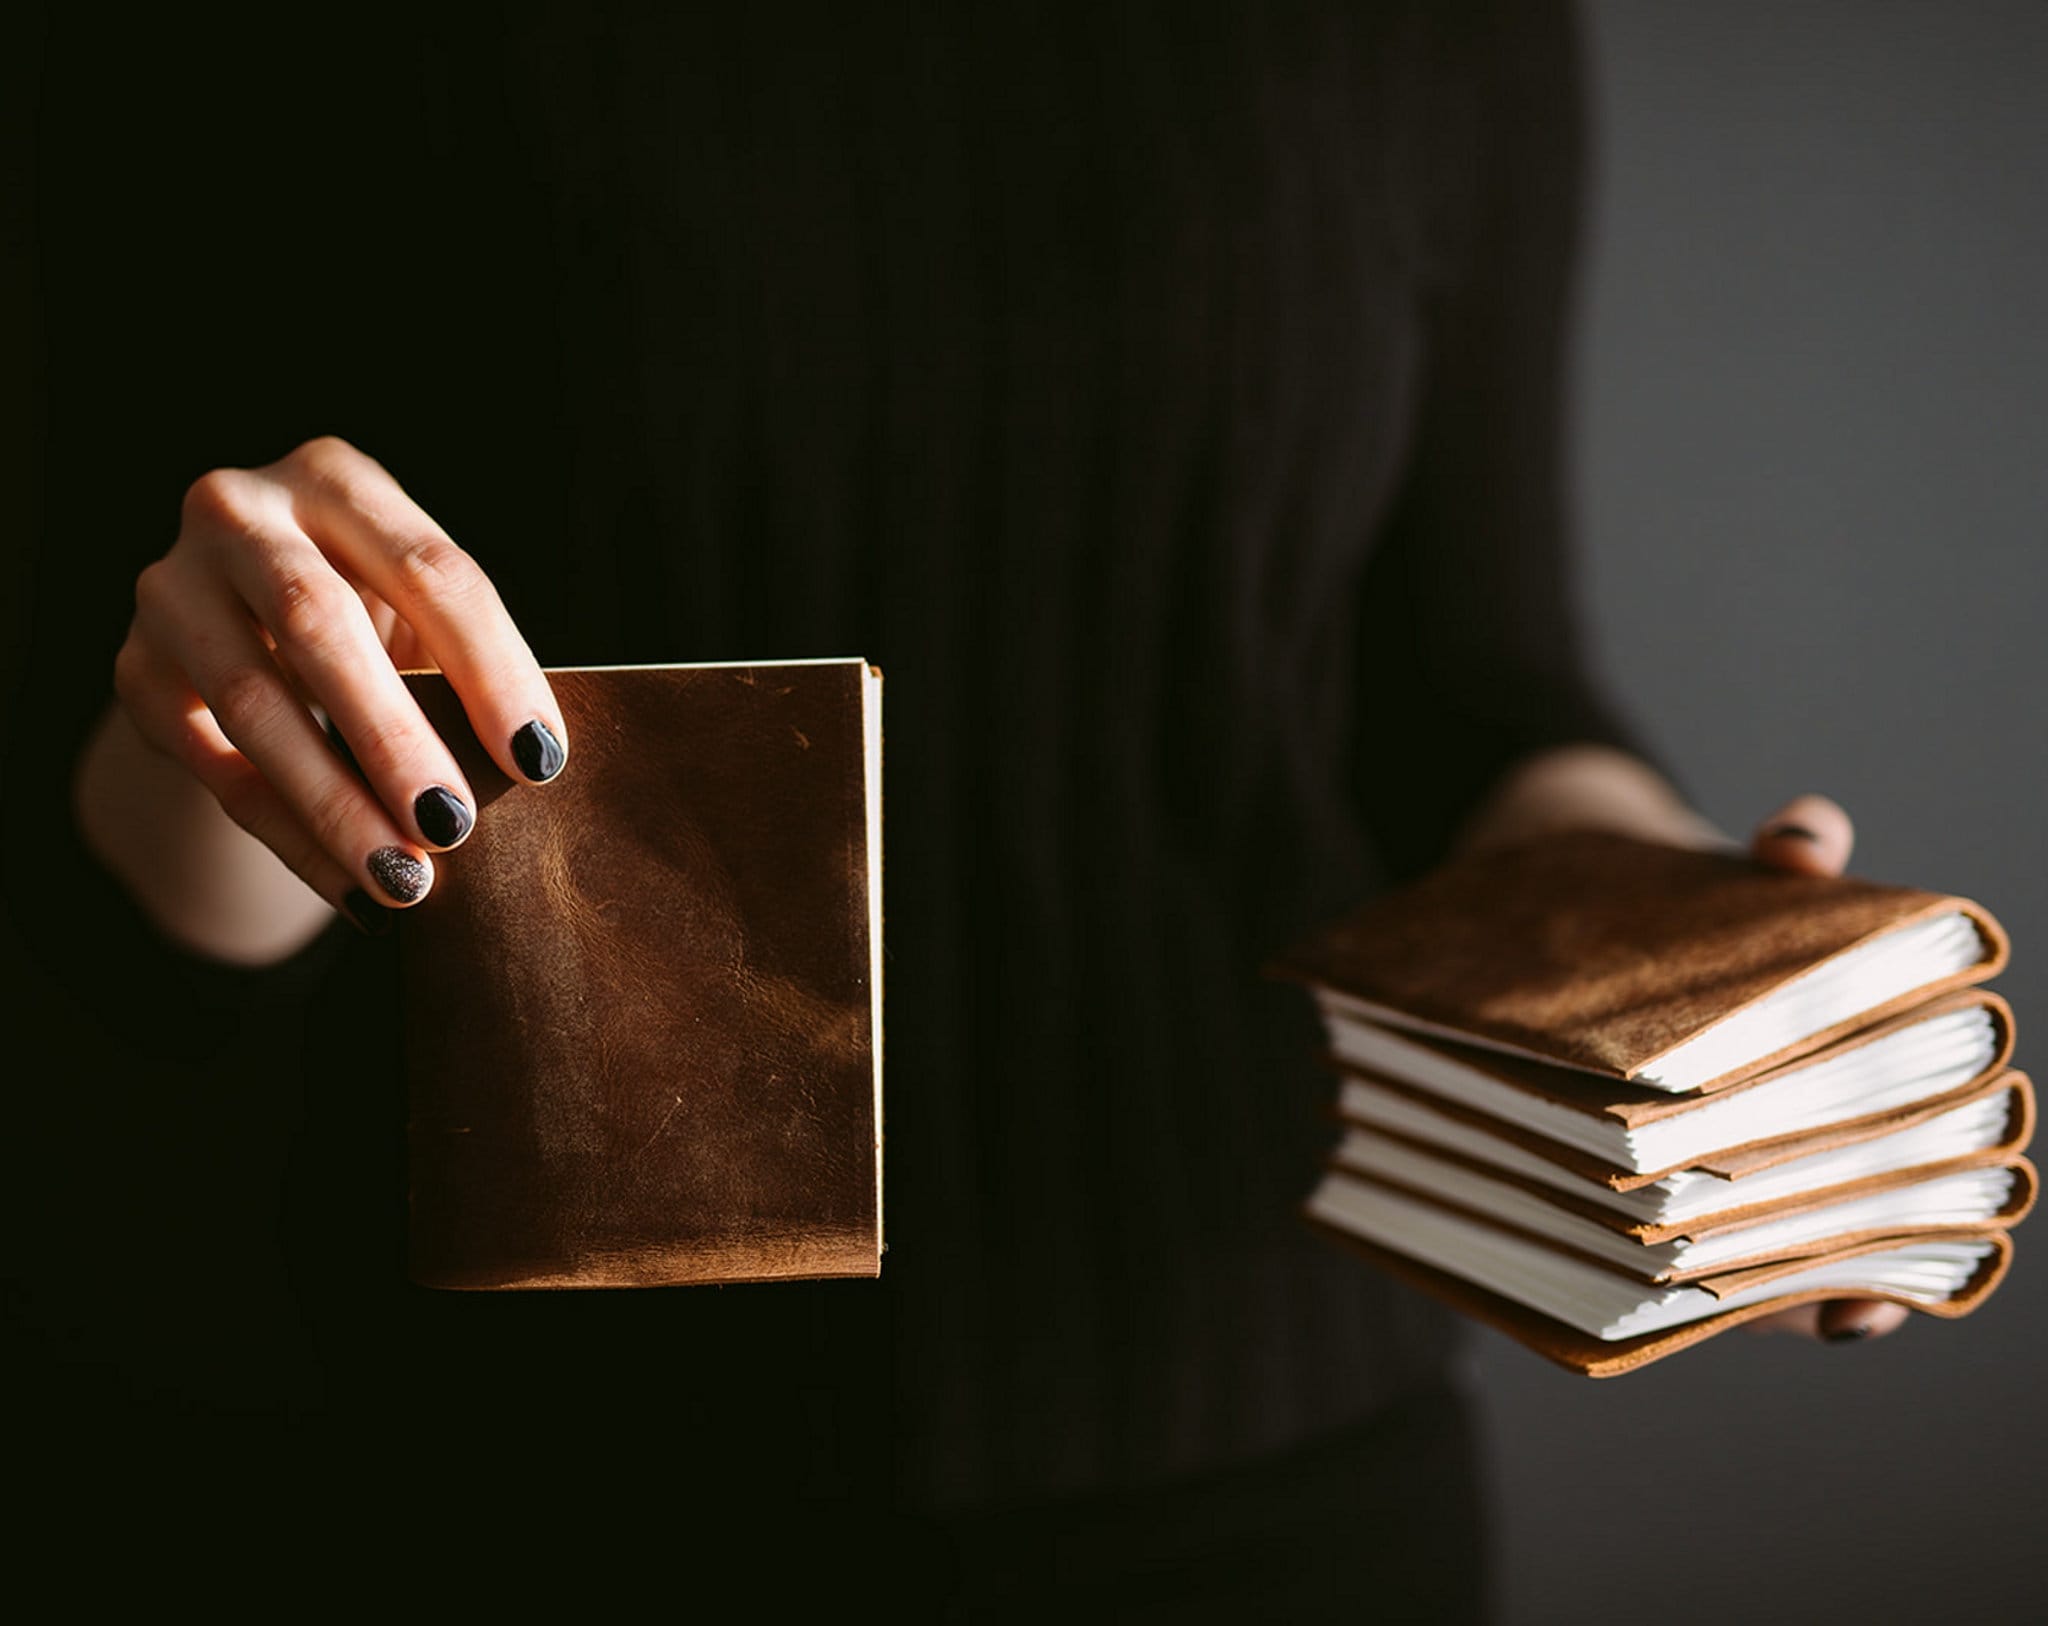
(172,718)
(328,642)
(206,634)
(353,508)
(1845,1321)
(1809,835)
(1834,1321)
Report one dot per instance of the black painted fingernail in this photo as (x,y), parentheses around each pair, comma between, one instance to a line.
(366,914)
(399,873)
(539,754)
(1798,832)
(444,818)
(1849,1335)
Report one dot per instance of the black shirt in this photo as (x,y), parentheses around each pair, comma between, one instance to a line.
(1167,399)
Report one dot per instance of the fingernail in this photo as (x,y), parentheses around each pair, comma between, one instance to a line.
(1849,1335)
(539,754)
(443,817)
(399,873)
(366,914)
(1798,832)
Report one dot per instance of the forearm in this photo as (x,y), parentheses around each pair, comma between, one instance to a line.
(206,883)
(1575,786)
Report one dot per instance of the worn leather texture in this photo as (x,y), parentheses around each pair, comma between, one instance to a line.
(1595,1358)
(637,1001)
(1631,1105)
(1600,952)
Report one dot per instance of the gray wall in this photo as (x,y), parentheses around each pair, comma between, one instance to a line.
(1813,483)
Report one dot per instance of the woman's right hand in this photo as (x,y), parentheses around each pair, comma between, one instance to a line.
(314,581)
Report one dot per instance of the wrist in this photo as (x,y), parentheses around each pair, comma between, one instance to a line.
(1577,787)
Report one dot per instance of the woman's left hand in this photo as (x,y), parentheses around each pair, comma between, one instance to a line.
(1580,785)
(1813,836)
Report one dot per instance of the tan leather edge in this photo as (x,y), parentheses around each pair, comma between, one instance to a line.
(2003,1152)
(1754,1267)
(1956,990)
(1584,1207)
(1736,1162)
(2015,1209)
(1729,1163)
(804,1258)
(2019,1202)
(1999,949)
(1492,1221)
(573,1283)
(1879,1026)
(1597,1358)
(2020,1130)
(1595,1096)
(1726,1283)
(2019,1124)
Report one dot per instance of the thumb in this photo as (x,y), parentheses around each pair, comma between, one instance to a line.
(1809,835)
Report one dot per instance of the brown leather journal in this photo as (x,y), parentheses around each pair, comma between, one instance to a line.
(2012,1093)
(1601,1358)
(1599,952)
(2018,1175)
(1629,1107)
(642,1004)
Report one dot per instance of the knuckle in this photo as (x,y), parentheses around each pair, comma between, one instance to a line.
(306,610)
(156,596)
(245,701)
(435,568)
(323,457)
(131,671)
(215,498)
(244,796)
(329,464)
(153,589)
(380,746)
(330,814)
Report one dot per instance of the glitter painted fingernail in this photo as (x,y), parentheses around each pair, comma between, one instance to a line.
(400,874)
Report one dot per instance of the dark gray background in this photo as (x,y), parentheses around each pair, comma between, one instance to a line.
(1814,412)
(1813,481)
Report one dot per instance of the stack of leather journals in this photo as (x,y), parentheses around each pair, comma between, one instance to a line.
(1613,1098)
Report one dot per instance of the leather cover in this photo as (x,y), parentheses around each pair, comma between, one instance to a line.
(1631,1105)
(2018,1204)
(1739,1161)
(638,1001)
(2019,1129)
(1596,1358)
(1596,951)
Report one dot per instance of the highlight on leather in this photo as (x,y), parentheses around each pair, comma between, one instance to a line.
(640,1006)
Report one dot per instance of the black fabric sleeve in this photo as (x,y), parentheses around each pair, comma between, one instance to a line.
(1470,653)
(149,363)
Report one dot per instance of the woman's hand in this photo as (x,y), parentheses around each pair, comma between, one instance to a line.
(312,582)
(1813,836)
(1581,785)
